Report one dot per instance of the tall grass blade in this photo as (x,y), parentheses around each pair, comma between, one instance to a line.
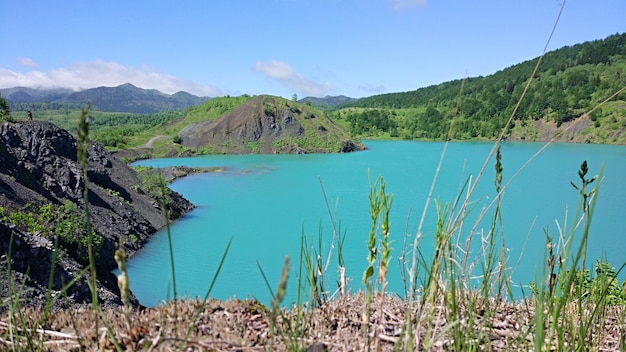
(83,146)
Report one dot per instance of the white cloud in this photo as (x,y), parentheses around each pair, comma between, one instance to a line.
(405,4)
(102,73)
(28,62)
(286,75)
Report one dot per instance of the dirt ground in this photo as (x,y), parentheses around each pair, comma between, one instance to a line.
(237,325)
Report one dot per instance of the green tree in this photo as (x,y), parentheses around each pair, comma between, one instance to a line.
(4,108)
(432,114)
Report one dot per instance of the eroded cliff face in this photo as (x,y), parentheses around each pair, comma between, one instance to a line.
(251,122)
(39,167)
(269,125)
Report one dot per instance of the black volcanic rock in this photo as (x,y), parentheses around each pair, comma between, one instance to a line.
(38,165)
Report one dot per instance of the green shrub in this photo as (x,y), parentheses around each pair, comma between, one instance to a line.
(50,220)
(134,239)
(604,285)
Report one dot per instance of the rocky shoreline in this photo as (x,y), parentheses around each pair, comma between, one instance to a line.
(39,167)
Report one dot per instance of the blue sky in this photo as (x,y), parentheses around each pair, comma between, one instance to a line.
(308,47)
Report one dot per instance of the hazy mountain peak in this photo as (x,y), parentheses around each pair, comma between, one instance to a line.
(123,98)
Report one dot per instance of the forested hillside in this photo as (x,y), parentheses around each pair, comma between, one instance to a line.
(327,102)
(570,81)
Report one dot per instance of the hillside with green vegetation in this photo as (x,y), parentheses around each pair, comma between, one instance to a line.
(246,124)
(273,125)
(570,82)
(327,102)
(117,113)
(112,129)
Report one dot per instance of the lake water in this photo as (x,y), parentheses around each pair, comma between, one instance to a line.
(265,203)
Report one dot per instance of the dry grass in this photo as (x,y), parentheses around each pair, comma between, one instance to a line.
(338,325)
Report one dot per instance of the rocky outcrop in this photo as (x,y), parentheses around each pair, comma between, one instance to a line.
(348,147)
(543,131)
(35,265)
(268,125)
(39,166)
(262,126)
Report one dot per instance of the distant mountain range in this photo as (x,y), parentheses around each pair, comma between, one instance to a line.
(327,101)
(123,98)
(32,95)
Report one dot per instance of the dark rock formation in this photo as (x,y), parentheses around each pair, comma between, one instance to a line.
(27,282)
(38,166)
(249,122)
(348,147)
(268,125)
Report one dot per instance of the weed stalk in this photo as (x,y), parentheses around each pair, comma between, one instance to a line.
(83,146)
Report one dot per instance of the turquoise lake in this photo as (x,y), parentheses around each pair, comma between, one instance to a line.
(265,203)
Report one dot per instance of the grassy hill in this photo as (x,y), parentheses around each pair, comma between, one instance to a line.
(245,124)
